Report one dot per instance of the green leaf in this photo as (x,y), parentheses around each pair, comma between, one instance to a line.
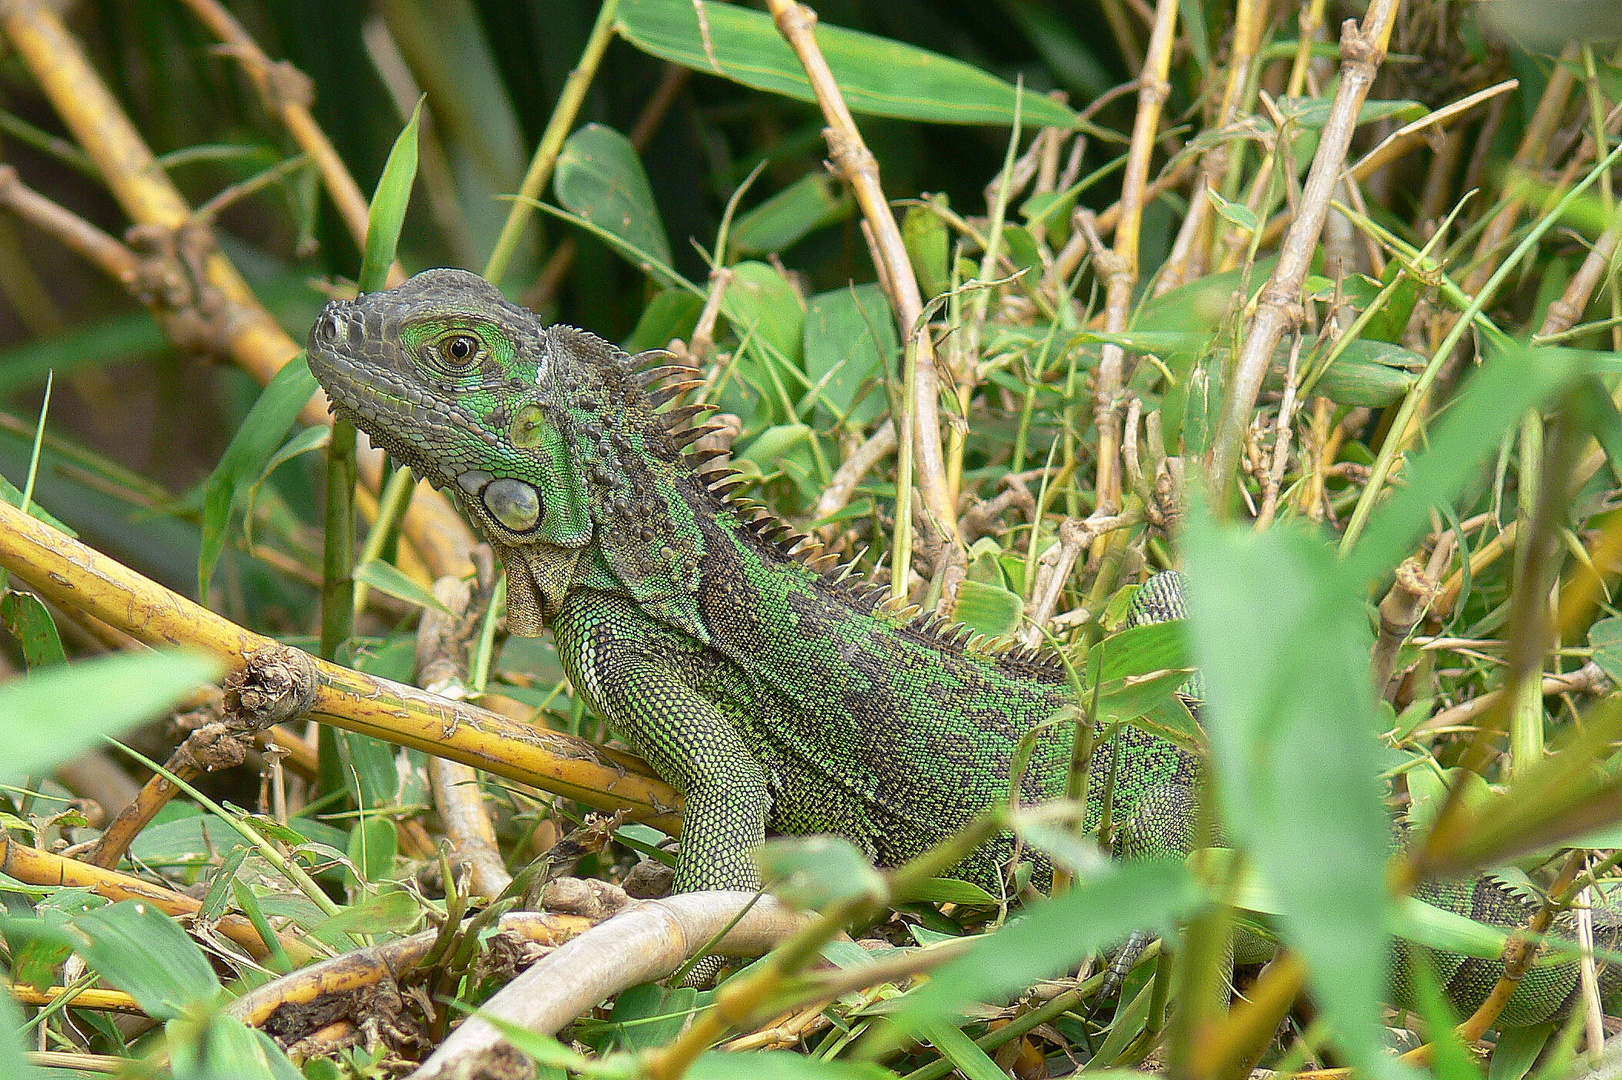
(1592,408)
(217,1045)
(1050,937)
(812,872)
(1282,642)
(781,1065)
(770,445)
(395,912)
(80,703)
(1517,1049)
(956,1047)
(1370,374)
(929,247)
(812,201)
(1508,384)
(147,955)
(30,622)
(389,203)
(760,301)
(1390,321)
(1446,931)
(13,1061)
(876,76)
(1605,638)
(390,580)
(1237,214)
(650,1015)
(311,438)
(990,609)
(246,459)
(1449,1058)
(850,343)
(952,891)
(1312,113)
(373,844)
(600,178)
(672,313)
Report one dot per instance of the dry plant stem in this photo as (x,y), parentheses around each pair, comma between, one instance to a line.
(1519,952)
(1068,259)
(842,485)
(439,532)
(1279,309)
(74,232)
(287,93)
(1404,605)
(246,331)
(1585,680)
(1529,156)
(91,998)
(1416,134)
(1407,138)
(702,342)
(1284,429)
(36,867)
(354,971)
(641,945)
(1122,272)
(1053,568)
(92,114)
(551,145)
(83,1063)
(1564,312)
(855,164)
(1220,1050)
(442,649)
(1189,255)
(154,796)
(72,575)
(1583,590)
(1489,553)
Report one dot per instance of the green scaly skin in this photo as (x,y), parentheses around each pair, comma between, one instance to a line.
(775,695)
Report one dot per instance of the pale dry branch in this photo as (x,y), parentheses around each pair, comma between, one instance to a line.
(1279,310)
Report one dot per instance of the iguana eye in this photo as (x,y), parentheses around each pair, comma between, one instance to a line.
(457,351)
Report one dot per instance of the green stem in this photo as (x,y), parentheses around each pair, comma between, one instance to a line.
(1410,405)
(391,507)
(337,565)
(546,154)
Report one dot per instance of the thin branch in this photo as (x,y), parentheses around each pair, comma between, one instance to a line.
(854,163)
(1279,310)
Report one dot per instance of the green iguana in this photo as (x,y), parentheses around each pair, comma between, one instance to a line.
(775,693)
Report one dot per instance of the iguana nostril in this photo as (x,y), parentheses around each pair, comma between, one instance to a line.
(330,326)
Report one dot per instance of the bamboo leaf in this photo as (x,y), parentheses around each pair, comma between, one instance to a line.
(877,76)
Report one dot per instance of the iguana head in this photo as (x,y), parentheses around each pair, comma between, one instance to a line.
(545,434)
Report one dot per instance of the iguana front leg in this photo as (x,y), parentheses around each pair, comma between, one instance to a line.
(643,678)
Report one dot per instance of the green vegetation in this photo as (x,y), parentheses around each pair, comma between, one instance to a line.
(1335,330)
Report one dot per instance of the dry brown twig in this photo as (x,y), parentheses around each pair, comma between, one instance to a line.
(442,650)
(1190,252)
(643,944)
(1279,308)
(1121,275)
(229,315)
(855,164)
